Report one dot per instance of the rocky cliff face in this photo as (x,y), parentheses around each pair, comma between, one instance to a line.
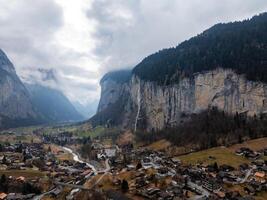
(219,68)
(164,105)
(15,104)
(114,107)
(154,106)
(111,91)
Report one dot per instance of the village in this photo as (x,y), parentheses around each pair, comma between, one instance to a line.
(47,170)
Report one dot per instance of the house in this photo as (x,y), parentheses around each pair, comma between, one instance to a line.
(257,186)
(146,163)
(244,166)
(56,192)
(110,152)
(153,191)
(226,168)
(101,156)
(3,195)
(264,168)
(260,176)
(97,146)
(21,178)
(86,172)
(258,163)
(220,194)
(17,196)
(130,167)
(165,195)
(162,172)
(250,190)
(211,184)
(252,155)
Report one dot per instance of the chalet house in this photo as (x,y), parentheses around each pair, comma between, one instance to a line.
(244,167)
(3,196)
(249,190)
(97,146)
(110,152)
(226,168)
(15,196)
(211,185)
(260,177)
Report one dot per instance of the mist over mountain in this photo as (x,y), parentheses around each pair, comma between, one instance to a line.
(87,110)
(52,104)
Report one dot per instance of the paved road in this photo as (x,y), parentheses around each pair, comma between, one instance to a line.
(39,197)
(78,187)
(77,158)
(105,172)
(71,185)
(204,192)
(246,176)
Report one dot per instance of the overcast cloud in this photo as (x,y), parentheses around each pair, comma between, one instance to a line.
(80,40)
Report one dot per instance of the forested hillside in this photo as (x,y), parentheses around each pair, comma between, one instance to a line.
(241,46)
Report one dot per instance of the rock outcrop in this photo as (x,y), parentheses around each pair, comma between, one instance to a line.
(15,105)
(165,105)
(223,67)
(153,106)
(114,107)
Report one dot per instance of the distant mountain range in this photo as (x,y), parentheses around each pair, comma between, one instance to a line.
(87,110)
(52,104)
(27,104)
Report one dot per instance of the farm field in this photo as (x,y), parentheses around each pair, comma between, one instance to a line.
(25,173)
(223,155)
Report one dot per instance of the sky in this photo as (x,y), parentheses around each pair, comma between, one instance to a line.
(70,44)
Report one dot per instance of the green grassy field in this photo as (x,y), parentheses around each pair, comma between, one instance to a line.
(100,131)
(97,131)
(221,155)
(224,155)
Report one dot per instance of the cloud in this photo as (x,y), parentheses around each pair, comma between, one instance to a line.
(128,31)
(42,36)
(27,29)
(78,41)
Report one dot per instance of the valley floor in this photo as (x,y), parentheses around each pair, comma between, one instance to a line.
(106,168)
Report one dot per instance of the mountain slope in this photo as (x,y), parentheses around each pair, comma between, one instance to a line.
(52,104)
(241,46)
(15,105)
(87,110)
(224,67)
(114,99)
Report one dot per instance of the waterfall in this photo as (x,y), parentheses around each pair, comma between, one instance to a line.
(138,107)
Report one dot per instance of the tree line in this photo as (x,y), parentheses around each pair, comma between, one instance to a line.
(211,128)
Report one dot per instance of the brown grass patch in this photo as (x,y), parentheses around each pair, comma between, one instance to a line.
(126,138)
(26,173)
(255,145)
(159,145)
